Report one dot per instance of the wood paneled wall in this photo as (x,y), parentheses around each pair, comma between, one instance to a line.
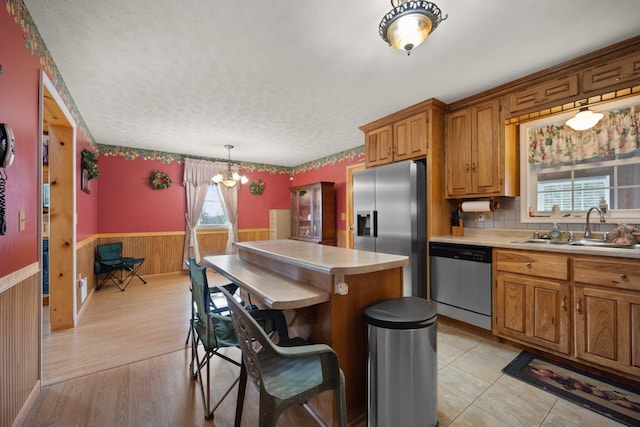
(19,343)
(163,252)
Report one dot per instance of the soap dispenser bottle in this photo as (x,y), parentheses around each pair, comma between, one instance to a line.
(554,234)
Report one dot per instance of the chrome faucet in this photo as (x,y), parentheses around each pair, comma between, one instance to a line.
(587,229)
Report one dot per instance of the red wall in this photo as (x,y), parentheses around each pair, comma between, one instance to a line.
(127,203)
(19,109)
(125,197)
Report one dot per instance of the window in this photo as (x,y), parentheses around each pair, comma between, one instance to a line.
(575,171)
(213,211)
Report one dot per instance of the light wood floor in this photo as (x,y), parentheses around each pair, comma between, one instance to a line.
(126,364)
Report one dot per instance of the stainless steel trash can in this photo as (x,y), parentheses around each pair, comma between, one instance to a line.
(402,368)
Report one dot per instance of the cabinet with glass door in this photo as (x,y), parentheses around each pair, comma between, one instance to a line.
(313,213)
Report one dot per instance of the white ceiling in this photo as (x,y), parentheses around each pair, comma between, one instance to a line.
(287,82)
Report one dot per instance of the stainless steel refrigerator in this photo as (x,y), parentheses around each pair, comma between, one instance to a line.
(390,217)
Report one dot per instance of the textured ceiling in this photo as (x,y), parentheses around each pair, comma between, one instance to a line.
(290,82)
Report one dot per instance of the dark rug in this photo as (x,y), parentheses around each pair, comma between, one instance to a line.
(613,400)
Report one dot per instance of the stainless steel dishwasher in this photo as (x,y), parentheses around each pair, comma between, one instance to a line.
(461,282)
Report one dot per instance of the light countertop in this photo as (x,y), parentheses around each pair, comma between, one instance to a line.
(504,238)
(329,260)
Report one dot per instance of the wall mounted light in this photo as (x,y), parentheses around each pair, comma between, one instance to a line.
(228,177)
(584,119)
(409,23)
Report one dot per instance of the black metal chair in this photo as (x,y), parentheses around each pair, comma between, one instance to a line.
(285,375)
(112,266)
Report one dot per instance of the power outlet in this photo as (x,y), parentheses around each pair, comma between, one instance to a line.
(342,288)
(480,217)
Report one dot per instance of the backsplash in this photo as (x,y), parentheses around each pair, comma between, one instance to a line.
(508,216)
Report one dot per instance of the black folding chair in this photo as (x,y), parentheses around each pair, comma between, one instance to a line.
(112,266)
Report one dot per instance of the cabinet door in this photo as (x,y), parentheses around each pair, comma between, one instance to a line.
(607,328)
(486,161)
(544,94)
(458,153)
(533,311)
(378,146)
(410,138)
(621,72)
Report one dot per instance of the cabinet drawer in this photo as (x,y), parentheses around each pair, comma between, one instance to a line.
(545,93)
(625,70)
(549,265)
(623,274)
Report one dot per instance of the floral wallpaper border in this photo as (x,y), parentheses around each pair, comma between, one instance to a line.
(134,153)
(34,42)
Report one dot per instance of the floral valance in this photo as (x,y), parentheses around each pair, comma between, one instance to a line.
(615,134)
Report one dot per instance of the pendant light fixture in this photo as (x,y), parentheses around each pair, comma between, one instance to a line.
(228,177)
(409,23)
(584,119)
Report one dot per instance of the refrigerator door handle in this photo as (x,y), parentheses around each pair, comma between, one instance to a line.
(375,223)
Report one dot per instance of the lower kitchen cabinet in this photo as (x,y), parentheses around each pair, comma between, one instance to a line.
(607,312)
(584,308)
(533,311)
(607,327)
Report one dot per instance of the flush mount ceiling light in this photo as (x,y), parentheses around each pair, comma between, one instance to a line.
(409,23)
(584,119)
(228,177)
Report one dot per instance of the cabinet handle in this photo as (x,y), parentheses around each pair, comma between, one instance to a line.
(579,306)
(467,167)
(473,166)
(623,276)
(528,265)
(564,303)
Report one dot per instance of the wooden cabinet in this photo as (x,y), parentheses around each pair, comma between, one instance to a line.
(607,312)
(403,140)
(279,224)
(544,94)
(533,308)
(617,73)
(379,146)
(480,156)
(313,217)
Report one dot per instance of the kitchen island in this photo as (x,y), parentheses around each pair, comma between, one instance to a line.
(328,288)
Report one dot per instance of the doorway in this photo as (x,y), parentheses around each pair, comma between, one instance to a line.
(57,226)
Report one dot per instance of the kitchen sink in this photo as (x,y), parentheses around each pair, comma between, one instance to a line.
(543,241)
(601,244)
(579,242)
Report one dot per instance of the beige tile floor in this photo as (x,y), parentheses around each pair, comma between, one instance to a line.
(472,390)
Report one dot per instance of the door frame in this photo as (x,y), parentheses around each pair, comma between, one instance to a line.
(62,227)
(350,170)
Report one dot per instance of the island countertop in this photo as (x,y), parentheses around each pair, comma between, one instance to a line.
(329,260)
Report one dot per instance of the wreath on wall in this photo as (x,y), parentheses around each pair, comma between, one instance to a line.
(90,163)
(159,180)
(256,186)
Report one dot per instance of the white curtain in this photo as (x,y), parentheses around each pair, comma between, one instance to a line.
(230,198)
(197,178)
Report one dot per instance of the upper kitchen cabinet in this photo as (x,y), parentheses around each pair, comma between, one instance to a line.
(313,213)
(403,135)
(379,146)
(480,154)
(614,74)
(403,140)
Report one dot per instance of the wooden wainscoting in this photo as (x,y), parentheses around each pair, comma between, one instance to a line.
(163,252)
(19,341)
(85,256)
